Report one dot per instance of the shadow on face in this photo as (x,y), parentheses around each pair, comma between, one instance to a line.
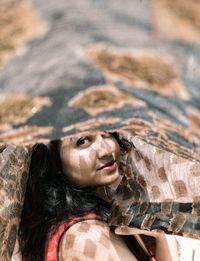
(90,158)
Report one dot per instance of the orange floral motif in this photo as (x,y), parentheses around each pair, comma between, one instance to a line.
(143,69)
(97,99)
(25,135)
(170,15)
(19,23)
(17,109)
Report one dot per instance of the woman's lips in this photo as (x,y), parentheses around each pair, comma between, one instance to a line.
(109,167)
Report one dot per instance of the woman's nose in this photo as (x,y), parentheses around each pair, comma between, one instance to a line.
(103,148)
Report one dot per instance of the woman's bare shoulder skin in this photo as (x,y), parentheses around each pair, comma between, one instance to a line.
(92,240)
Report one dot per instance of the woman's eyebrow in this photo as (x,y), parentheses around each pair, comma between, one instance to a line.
(68,141)
(106,134)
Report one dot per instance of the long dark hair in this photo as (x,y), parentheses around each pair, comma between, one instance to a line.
(50,198)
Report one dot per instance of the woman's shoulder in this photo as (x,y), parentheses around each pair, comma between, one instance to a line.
(91,226)
(84,241)
(85,232)
(91,240)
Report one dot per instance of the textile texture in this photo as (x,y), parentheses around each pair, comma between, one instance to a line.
(158,191)
(14,164)
(131,67)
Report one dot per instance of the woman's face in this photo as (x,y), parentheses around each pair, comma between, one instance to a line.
(90,158)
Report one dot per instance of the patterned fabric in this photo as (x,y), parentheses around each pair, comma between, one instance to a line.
(14,164)
(115,75)
(159,191)
(54,238)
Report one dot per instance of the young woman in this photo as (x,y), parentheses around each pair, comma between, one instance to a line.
(63,217)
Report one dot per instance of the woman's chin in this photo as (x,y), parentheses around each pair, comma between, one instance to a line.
(112,178)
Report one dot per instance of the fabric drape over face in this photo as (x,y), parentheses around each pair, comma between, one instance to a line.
(131,68)
(158,191)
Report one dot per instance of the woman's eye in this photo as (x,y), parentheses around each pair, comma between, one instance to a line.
(83,141)
(107,135)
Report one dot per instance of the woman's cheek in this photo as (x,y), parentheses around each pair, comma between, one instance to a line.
(69,158)
(90,158)
(115,148)
(83,165)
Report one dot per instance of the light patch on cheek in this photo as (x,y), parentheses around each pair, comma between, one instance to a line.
(92,157)
(88,158)
(69,157)
(70,161)
(76,162)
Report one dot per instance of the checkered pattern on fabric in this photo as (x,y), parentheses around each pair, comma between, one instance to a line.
(52,243)
(92,240)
